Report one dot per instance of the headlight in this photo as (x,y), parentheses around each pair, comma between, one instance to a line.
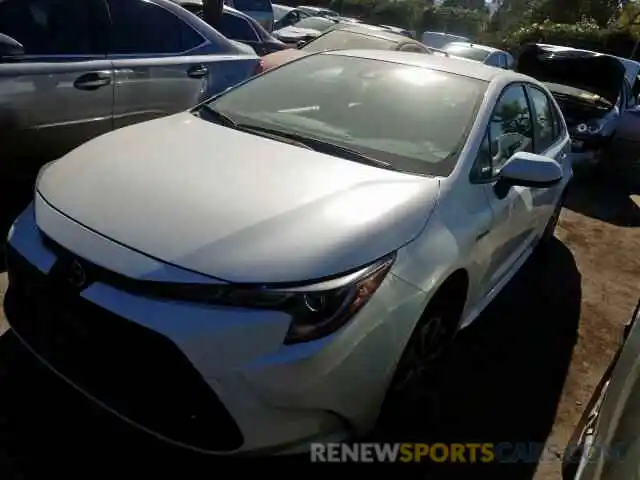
(591,127)
(316,310)
(317,314)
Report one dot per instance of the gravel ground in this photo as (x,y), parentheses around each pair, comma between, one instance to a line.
(521,373)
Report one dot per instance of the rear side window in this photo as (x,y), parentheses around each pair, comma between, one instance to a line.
(146,28)
(253,5)
(546,131)
(237,28)
(56,27)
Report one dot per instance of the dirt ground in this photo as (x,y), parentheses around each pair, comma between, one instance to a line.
(522,373)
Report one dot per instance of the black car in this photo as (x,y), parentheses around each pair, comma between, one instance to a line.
(238,26)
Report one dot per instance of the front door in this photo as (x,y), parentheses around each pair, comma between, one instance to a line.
(59,94)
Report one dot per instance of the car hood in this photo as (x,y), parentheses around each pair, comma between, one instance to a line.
(281,57)
(574,68)
(236,206)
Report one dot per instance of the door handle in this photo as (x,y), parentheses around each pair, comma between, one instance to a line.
(198,71)
(92,80)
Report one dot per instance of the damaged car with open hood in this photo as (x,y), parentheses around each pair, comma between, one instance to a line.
(598,96)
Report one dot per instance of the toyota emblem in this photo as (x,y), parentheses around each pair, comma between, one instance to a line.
(77,277)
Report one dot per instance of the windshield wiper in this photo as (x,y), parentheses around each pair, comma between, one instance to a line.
(321,146)
(217,116)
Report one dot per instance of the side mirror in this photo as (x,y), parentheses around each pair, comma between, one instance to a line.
(301,43)
(526,169)
(10,47)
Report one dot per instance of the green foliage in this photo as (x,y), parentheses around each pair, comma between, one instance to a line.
(455,20)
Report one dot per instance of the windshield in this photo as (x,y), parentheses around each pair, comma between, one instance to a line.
(345,40)
(412,118)
(315,23)
(465,51)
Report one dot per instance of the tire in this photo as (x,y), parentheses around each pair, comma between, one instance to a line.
(423,360)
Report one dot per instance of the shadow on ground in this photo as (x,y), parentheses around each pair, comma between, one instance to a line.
(15,194)
(605,200)
(502,384)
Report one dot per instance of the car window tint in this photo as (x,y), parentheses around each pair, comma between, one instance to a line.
(55,27)
(237,28)
(510,127)
(545,133)
(253,5)
(365,105)
(143,27)
(493,60)
(345,40)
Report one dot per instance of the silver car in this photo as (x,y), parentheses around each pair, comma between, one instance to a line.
(62,82)
(289,259)
(605,444)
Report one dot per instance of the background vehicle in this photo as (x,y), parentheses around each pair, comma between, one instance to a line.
(291,17)
(279,11)
(238,26)
(440,39)
(601,110)
(605,443)
(137,76)
(284,287)
(304,30)
(318,11)
(480,53)
(259,10)
(346,37)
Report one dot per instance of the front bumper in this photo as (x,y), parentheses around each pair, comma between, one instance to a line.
(213,379)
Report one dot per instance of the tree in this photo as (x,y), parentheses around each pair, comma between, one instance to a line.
(467,4)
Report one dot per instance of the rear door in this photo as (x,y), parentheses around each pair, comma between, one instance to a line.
(59,94)
(156,70)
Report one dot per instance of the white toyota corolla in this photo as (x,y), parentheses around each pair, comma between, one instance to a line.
(265,270)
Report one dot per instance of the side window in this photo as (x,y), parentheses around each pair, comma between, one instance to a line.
(237,28)
(56,27)
(509,131)
(492,60)
(545,128)
(142,27)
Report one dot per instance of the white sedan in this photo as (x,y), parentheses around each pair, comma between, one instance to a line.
(271,267)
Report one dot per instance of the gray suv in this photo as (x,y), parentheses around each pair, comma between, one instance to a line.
(71,70)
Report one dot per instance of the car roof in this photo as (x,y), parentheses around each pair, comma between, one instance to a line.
(485,48)
(445,63)
(372,30)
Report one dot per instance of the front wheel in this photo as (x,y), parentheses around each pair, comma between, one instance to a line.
(413,388)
